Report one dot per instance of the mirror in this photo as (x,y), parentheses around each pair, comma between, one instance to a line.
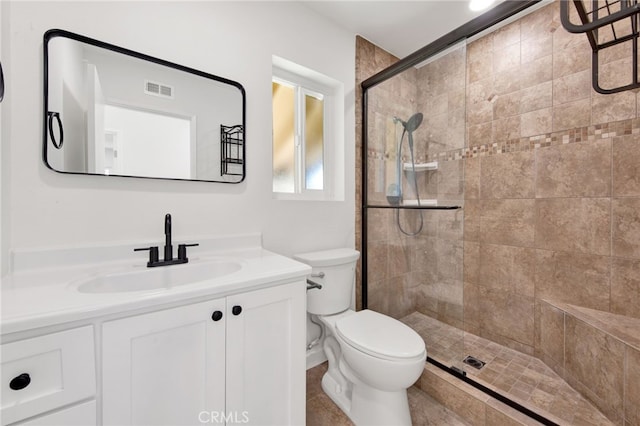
(113,111)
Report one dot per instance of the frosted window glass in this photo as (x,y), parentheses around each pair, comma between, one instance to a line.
(283,98)
(314,140)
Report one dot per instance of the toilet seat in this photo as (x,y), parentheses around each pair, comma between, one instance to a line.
(380,336)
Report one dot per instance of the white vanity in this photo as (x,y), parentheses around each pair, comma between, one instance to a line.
(220,340)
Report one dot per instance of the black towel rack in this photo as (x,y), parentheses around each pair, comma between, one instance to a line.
(232,150)
(607,23)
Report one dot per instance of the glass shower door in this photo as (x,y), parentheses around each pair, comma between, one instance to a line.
(416,132)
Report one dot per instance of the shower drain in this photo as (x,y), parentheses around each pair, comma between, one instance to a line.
(474,362)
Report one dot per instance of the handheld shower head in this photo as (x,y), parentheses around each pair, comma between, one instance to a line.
(413,122)
(411,125)
(394,190)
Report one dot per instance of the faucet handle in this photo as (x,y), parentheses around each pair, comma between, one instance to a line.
(182,250)
(153,254)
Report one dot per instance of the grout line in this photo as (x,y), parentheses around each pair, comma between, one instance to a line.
(611,199)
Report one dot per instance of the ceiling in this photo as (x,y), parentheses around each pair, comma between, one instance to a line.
(399,27)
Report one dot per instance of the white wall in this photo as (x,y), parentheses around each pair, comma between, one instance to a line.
(235,40)
(5,228)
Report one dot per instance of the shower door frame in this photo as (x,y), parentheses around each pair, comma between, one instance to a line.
(496,15)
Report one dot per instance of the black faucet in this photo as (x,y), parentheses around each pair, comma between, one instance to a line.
(168,249)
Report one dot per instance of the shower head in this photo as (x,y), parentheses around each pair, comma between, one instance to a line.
(412,123)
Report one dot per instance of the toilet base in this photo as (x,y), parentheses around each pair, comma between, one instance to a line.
(341,397)
(365,405)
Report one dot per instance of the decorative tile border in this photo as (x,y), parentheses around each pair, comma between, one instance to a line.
(580,134)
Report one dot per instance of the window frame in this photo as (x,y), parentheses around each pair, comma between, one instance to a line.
(307,86)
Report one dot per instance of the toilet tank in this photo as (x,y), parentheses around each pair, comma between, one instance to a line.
(338,267)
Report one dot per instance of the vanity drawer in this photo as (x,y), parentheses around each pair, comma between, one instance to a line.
(47,372)
(78,415)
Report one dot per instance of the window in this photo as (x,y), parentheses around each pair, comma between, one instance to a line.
(304,113)
(298,138)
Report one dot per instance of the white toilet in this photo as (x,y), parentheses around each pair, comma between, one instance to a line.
(373,358)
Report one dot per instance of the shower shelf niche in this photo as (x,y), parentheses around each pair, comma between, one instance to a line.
(421,167)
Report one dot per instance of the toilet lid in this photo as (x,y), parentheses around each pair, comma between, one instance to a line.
(380,336)
(328,257)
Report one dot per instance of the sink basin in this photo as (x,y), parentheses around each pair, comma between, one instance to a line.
(159,278)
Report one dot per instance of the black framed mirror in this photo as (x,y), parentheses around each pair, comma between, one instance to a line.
(112,111)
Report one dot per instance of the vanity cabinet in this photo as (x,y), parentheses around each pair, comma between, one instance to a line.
(237,359)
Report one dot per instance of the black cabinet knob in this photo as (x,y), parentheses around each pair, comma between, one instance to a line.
(20,382)
(217,316)
(236,310)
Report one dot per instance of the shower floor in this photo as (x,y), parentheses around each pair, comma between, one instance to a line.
(522,378)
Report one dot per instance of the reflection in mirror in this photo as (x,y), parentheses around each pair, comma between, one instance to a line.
(112,111)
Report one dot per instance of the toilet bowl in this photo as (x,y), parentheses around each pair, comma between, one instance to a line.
(373,358)
(381,351)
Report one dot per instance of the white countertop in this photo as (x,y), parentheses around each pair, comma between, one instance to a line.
(45,296)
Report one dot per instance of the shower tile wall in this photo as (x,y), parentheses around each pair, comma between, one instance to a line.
(552,179)
(441,98)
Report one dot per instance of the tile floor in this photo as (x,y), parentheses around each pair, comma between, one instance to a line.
(521,377)
(321,411)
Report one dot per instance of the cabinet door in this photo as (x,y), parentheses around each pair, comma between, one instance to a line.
(165,367)
(266,355)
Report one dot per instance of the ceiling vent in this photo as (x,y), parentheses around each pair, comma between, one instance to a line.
(158,89)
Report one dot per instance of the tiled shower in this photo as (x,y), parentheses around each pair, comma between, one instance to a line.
(543,257)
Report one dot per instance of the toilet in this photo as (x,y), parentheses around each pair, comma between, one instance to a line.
(373,358)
